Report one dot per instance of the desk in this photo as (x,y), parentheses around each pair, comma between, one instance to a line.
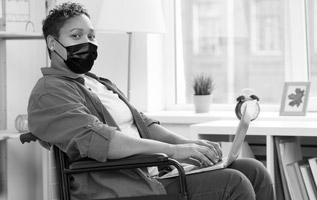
(266,128)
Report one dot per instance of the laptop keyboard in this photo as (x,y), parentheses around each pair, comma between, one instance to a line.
(188,167)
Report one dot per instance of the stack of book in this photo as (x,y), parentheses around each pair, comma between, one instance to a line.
(297,177)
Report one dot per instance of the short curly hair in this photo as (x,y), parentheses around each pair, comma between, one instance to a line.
(59,15)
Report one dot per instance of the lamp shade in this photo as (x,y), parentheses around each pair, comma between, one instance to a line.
(131,16)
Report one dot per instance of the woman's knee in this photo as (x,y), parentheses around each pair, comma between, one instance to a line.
(221,184)
(258,176)
(253,169)
(241,187)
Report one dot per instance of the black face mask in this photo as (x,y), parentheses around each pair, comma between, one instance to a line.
(80,57)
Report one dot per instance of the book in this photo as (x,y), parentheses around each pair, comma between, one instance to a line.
(294,184)
(313,166)
(279,189)
(308,180)
(288,151)
(300,178)
(282,169)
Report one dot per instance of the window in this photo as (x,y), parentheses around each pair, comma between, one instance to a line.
(239,42)
(266,27)
(312,43)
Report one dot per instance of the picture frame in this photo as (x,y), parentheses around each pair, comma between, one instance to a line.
(295,99)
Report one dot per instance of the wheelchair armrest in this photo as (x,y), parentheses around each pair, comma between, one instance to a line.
(138,160)
(28,137)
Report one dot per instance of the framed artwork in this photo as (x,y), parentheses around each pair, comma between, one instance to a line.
(295,98)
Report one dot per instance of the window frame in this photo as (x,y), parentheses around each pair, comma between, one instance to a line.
(293,66)
(254,50)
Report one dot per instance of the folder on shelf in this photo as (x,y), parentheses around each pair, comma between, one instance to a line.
(295,183)
(288,151)
(313,166)
(300,178)
(308,179)
(281,192)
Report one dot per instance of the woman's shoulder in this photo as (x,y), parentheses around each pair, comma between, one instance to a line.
(54,84)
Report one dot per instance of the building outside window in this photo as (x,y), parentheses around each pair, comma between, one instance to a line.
(240,43)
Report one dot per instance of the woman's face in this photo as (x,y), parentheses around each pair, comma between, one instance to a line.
(77,30)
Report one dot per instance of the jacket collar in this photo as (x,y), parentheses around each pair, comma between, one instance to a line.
(58,72)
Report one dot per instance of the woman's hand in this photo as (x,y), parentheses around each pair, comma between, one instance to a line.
(203,153)
(214,146)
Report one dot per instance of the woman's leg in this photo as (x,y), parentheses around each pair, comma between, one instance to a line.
(258,176)
(243,179)
(225,184)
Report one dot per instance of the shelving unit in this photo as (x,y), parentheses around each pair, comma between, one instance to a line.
(20,36)
(266,128)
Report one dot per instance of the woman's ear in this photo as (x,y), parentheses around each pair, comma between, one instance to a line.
(50,41)
(54,46)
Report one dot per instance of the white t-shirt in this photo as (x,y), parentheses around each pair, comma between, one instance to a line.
(118,110)
(116,107)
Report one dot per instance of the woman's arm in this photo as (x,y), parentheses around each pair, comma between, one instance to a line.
(122,145)
(163,134)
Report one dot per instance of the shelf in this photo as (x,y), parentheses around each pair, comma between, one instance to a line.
(258,127)
(9,134)
(269,128)
(20,36)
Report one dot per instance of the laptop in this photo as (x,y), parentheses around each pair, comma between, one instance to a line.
(234,151)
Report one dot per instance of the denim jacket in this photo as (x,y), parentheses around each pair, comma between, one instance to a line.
(63,112)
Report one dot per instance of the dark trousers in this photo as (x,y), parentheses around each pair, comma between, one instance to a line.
(245,179)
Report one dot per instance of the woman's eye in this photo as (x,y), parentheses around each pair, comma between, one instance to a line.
(92,37)
(76,36)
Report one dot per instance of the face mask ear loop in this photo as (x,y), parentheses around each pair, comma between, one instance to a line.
(56,51)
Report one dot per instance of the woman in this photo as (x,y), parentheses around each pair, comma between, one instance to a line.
(88,116)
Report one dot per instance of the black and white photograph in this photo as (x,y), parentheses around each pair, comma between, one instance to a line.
(158,99)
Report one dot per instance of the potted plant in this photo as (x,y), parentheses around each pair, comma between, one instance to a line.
(203,92)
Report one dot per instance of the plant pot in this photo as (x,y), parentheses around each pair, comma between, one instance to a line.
(202,103)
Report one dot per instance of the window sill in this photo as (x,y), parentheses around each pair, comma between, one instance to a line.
(190,117)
